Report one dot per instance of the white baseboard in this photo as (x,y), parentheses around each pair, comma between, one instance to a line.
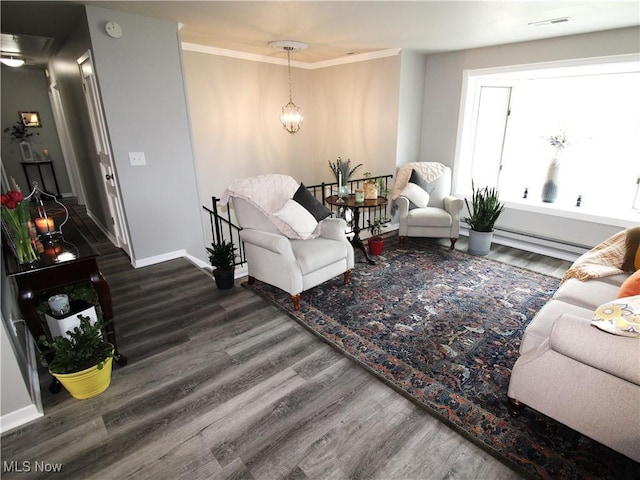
(145,262)
(19,417)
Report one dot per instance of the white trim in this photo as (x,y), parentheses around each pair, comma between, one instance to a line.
(569,66)
(165,257)
(19,417)
(361,57)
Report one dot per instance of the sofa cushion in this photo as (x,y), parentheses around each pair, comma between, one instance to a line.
(574,339)
(589,293)
(318,254)
(631,286)
(305,198)
(620,317)
(298,218)
(428,217)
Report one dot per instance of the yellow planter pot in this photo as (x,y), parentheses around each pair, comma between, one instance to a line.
(87,383)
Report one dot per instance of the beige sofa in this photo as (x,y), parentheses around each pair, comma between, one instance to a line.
(577,374)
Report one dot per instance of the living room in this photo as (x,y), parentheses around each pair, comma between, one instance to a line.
(205,132)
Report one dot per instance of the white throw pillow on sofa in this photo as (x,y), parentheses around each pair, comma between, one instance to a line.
(620,316)
(416,195)
(298,218)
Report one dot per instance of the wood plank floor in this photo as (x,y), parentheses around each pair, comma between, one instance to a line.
(222,385)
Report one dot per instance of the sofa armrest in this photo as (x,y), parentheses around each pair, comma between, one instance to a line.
(453,205)
(333,228)
(576,338)
(403,206)
(269,241)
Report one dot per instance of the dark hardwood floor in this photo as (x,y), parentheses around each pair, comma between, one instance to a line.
(222,385)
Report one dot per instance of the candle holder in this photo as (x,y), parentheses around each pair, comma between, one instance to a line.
(50,218)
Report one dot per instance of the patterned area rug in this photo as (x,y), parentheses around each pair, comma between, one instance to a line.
(444,327)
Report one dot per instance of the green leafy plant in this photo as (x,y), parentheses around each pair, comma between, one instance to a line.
(368,179)
(222,255)
(85,348)
(383,191)
(19,132)
(375,227)
(343,168)
(484,210)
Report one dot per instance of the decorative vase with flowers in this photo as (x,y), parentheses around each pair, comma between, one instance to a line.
(343,171)
(17,219)
(551,184)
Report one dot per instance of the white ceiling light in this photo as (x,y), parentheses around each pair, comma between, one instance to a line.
(12,62)
(291,116)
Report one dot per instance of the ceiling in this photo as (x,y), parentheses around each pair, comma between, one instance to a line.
(334,29)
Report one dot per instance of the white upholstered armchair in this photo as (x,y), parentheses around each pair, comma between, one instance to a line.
(426,208)
(289,241)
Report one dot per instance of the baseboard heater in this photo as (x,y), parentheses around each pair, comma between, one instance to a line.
(537,244)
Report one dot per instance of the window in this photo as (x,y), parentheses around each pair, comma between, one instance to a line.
(508,120)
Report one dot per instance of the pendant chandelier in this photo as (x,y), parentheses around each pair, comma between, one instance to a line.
(291,116)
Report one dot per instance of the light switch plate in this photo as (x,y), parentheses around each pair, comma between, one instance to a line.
(137,159)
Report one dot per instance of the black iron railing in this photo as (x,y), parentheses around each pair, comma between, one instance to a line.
(223,227)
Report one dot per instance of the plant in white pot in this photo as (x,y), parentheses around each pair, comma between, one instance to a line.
(222,256)
(82,361)
(484,210)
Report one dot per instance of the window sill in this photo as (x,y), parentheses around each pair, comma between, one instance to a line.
(624,219)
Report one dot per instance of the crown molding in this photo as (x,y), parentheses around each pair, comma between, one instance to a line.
(360,57)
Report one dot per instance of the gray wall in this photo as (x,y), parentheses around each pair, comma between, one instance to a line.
(443,86)
(140,78)
(25,89)
(65,74)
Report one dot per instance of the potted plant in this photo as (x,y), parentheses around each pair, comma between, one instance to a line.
(21,134)
(222,256)
(484,210)
(370,187)
(376,242)
(81,362)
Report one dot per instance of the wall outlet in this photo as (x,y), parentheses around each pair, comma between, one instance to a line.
(137,159)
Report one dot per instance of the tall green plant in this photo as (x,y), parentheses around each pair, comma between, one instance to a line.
(484,210)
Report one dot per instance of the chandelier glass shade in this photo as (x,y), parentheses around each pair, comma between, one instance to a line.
(291,116)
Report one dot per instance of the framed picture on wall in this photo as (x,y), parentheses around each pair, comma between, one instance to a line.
(30,119)
(26,152)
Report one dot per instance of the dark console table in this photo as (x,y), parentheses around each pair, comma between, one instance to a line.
(66,260)
(350,202)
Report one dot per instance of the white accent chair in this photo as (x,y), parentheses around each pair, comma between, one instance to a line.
(292,265)
(439,219)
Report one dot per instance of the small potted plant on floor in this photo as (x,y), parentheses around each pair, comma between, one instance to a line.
(484,210)
(82,361)
(222,256)
(376,242)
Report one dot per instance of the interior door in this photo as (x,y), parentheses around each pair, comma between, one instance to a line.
(101,141)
